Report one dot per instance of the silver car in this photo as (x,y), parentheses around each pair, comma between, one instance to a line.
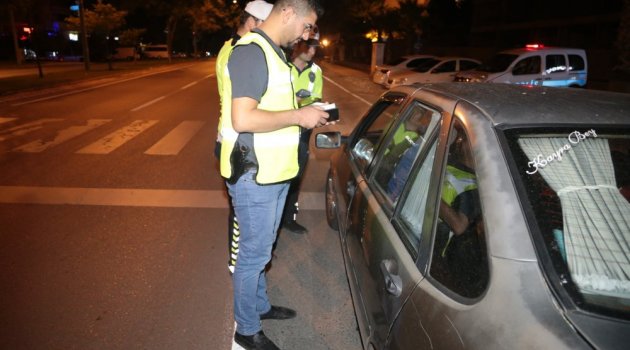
(486,216)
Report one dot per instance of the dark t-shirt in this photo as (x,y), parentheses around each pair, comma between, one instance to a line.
(247,66)
(248,69)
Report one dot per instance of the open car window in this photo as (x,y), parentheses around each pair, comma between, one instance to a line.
(368,136)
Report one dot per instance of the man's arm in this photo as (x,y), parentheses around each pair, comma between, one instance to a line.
(457,221)
(248,73)
(246,117)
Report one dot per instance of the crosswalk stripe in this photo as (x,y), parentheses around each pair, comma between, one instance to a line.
(175,140)
(26,128)
(116,139)
(6,120)
(62,135)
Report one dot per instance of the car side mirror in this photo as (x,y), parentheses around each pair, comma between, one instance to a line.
(329,140)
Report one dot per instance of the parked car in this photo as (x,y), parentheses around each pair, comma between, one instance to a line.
(433,70)
(155,51)
(533,65)
(486,216)
(382,72)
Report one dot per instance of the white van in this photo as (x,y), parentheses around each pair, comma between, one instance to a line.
(155,51)
(533,65)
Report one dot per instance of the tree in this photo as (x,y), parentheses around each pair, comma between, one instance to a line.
(623,38)
(212,16)
(101,23)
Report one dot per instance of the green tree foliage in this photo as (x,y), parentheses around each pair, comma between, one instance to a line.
(211,16)
(623,38)
(101,24)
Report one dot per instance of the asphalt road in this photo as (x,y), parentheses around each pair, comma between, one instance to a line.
(113,221)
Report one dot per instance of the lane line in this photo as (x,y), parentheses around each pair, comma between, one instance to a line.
(116,139)
(176,139)
(163,198)
(149,103)
(189,85)
(97,86)
(62,136)
(348,91)
(6,120)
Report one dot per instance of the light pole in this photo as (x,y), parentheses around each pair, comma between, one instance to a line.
(84,38)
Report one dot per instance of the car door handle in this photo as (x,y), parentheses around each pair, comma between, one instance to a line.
(393,282)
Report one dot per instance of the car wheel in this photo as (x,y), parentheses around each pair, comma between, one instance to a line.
(331,205)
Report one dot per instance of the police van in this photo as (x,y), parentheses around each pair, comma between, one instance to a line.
(533,65)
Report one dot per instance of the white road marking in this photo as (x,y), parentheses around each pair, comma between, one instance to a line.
(6,120)
(97,86)
(348,91)
(148,103)
(63,135)
(175,140)
(187,86)
(207,199)
(116,139)
(26,128)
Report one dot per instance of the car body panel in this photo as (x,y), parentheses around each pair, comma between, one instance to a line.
(381,72)
(522,305)
(546,74)
(442,72)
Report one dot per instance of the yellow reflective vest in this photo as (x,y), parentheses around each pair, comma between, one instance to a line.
(276,151)
(220,67)
(309,79)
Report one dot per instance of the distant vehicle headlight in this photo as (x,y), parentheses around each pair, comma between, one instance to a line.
(468,79)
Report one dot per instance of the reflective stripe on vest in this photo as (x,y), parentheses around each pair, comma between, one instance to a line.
(220,67)
(276,152)
(457,182)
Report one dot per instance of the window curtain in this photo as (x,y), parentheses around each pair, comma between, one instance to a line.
(596,216)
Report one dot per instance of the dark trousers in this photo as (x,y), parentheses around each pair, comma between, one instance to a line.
(291,206)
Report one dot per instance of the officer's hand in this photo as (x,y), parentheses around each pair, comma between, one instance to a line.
(312,117)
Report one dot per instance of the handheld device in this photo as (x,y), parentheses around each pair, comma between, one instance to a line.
(331,108)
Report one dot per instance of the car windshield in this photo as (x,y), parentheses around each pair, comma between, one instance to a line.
(576,192)
(426,65)
(498,63)
(397,61)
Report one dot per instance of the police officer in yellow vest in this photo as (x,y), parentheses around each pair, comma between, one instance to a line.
(308,84)
(259,153)
(256,12)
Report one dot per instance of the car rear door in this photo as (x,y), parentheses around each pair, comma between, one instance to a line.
(382,251)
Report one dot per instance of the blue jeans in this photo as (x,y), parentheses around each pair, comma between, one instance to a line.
(258,209)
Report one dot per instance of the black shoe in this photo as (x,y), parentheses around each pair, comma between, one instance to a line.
(258,341)
(278,313)
(294,227)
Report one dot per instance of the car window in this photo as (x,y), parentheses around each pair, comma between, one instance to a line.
(576,62)
(499,63)
(413,208)
(459,260)
(555,64)
(467,65)
(529,65)
(369,134)
(448,66)
(426,65)
(417,61)
(576,184)
(399,152)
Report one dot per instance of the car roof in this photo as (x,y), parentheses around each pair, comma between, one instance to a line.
(512,104)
